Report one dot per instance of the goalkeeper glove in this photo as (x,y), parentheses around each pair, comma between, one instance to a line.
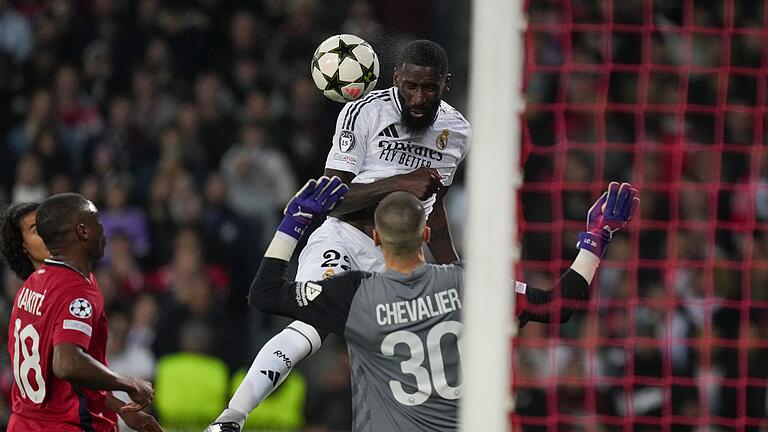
(607,215)
(315,199)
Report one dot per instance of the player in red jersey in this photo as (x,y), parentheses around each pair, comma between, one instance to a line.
(58,334)
(22,248)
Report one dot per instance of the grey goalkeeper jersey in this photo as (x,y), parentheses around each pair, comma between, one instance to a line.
(402,332)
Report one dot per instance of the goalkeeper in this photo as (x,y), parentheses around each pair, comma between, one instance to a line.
(405,371)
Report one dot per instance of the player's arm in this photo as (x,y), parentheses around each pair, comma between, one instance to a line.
(612,211)
(310,302)
(322,304)
(72,364)
(421,183)
(138,421)
(441,242)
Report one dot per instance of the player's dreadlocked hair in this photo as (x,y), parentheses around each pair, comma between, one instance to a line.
(424,52)
(12,243)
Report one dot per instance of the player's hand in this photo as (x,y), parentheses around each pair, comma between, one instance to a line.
(608,214)
(422,182)
(141,396)
(141,421)
(315,199)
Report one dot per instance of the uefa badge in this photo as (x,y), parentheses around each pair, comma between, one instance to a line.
(442,140)
(81,308)
(346,141)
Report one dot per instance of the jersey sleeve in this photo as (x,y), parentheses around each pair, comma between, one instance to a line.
(322,304)
(75,316)
(555,305)
(350,139)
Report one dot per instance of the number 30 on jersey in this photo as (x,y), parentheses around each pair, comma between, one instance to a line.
(414,365)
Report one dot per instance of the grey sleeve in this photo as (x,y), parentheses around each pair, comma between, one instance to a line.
(322,304)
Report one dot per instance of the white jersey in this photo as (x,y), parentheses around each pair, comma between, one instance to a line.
(371,142)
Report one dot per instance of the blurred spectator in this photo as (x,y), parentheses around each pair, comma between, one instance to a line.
(123,268)
(230,240)
(16,37)
(120,217)
(260,178)
(153,108)
(215,107)
(30,185)
(78,115)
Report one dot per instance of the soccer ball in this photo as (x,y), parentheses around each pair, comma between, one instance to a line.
(345,68)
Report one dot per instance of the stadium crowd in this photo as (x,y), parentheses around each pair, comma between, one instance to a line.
(190,125)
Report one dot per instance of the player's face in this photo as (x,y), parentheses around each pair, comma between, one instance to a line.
(33,244)
(420,89)
(96,239)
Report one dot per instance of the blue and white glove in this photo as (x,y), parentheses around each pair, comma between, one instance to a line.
(608,214)
(315,199)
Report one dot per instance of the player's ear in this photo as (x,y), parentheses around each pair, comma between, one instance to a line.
(376,238)
(447,82)
(396,78)
(427,234)
(82,231)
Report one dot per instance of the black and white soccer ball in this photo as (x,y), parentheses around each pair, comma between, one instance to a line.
(81,308)
(345,68)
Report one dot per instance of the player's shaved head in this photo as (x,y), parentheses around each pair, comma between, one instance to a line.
(400,222)
(424,53)
(58,215)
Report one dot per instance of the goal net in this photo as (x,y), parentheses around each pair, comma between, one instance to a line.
(670,96)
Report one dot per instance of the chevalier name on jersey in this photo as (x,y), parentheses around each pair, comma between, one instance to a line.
(417,309)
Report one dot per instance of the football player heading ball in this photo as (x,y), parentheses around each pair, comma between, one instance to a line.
(403,138)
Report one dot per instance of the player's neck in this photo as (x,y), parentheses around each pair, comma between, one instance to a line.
(81,264)
(403,264)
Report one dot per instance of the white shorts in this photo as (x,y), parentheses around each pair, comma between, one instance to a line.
(336,247)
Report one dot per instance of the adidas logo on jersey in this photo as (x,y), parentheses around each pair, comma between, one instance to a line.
(272,375)
(389,131)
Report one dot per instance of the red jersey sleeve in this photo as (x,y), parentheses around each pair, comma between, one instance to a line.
(75,317)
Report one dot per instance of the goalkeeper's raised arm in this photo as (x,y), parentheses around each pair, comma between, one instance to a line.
(611,212)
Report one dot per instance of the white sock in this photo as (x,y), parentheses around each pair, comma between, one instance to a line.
(271,366)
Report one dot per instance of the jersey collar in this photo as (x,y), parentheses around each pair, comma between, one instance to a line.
(417,273)
(57,263)
(396,98)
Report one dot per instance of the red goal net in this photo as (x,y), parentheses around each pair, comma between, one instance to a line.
(670,96)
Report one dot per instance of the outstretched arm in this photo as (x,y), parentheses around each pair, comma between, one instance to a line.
(612,211)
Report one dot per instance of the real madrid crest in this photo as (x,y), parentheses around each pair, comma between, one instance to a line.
(442,140)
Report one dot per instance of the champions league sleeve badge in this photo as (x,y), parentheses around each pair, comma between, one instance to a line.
(346,141)
(81,308)
(442,140)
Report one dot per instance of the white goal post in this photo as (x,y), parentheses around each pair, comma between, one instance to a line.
(495,102)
